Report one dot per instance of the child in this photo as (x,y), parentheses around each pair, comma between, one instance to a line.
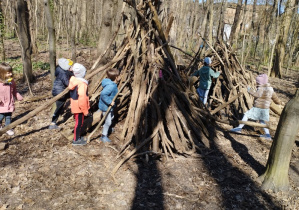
(205,81)
(260,110)
(63,74)
(8,91)
(106,97)
(79,100)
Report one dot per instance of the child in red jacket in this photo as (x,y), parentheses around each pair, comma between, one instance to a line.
(79,100)
(8,91)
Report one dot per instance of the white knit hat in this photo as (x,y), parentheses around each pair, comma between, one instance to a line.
(79,70)
(65,64)
(208,60)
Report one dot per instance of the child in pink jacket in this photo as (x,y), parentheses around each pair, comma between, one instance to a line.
(8,91)
(79,100)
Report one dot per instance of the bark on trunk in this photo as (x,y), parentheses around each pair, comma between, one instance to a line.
(25,40)
(2,50)
(276,176)
(52,39)
(282,39)
(236,23)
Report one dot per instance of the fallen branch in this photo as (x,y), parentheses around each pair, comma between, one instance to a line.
(53,100)
(226,103)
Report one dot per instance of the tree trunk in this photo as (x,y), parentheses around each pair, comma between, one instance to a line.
(32,27)
(52,39)
(220,29)
(236,23)
(25,40)
(105,28)
(2,49)
(211,20)
(276,176)
(73,34)
(276,71)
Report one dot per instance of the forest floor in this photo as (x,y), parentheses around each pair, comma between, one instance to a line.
(40,169)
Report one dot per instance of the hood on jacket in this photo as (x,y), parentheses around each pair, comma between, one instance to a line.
(65,64)
(106,82)
(75,82)
(79,70)
(262,79)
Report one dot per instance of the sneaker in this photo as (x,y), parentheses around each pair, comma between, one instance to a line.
(105,139)
(10,132)
(266,136)
(236,130)
(53,126)
(79,142)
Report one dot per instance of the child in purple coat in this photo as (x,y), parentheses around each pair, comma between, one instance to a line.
(8,91)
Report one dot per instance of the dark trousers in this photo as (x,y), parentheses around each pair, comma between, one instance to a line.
(58,110)
(79,118)
(7,117)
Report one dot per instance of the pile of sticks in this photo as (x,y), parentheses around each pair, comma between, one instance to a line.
(228,95)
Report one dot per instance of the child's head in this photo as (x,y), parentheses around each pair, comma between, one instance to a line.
(207,61)
(65,64)
(79,70)
(262,79)
(112,73)
(5,71)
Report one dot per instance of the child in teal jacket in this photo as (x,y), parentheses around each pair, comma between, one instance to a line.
(205,73)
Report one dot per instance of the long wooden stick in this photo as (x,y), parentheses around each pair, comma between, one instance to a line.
(53,100)
(235,122)
(226,104)
(109,108)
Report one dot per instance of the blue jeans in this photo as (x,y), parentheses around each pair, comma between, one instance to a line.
(7,118)
(108,122)
(203,94)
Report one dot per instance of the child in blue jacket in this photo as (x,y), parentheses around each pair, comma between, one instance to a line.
(106,97)
(63,73)
(205,73)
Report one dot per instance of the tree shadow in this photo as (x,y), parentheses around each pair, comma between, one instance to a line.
(242,150)
(148,191)
(238,190)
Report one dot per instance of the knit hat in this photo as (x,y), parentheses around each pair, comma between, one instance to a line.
(262,79)
(208,60)
(79,70)
(65,64)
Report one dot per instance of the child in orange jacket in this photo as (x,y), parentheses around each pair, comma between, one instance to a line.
(79,100)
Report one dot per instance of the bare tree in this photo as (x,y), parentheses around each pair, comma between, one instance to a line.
(2,49)
(52,39)
(276,175)
(73,33)
(25,40)
(237,21)
(286,17)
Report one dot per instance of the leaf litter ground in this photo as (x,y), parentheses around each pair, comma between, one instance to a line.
(40,169)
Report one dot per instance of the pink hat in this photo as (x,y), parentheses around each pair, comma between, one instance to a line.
(262,79)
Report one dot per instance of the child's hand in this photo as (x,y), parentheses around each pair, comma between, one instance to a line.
(112,103)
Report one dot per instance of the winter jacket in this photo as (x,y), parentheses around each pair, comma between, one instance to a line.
(79,95)
(7,94)
(107,94)
(61,81)
(264,95)
(204,74)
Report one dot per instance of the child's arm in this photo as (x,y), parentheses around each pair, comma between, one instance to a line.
(105,95)
(83,99)
(255,94)
(15,93)
(196,73)
(214,74)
